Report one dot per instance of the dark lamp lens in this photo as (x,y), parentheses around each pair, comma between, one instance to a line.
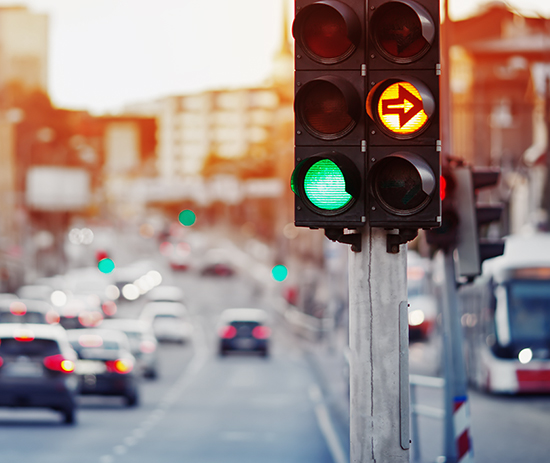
(398,31)
(399,186)
(325,110)
(325,33)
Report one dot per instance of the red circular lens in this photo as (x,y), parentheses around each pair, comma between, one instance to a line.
(325,33)
(398,31)
(324,110)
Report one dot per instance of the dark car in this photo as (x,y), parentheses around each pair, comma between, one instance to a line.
(27,311)
(105,365)
(80,311)
(143,343)
(244,330)
(36,368)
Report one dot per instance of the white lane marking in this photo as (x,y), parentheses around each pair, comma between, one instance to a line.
(326,426)
(196,363)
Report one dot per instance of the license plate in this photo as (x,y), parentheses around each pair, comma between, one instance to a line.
(89,367)
(23,370)
(244,343)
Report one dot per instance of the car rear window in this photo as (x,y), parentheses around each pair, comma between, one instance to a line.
(165,315)
(29,317)
(34,348)
(244,328)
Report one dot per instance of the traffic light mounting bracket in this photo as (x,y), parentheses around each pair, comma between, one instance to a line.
(393,241)
(337,234)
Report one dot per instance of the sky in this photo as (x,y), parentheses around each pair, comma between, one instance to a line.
(108,53)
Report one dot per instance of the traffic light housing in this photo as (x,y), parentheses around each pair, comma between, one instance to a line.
(403,154)
(446,236)
(328,178)
(471,249)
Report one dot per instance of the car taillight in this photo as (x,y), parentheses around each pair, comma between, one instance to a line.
(59,363)
(24,336)
(228,332)
(18,308)
(52,317)
(121,366)
(147,347)
(1,361)
(90,319)
(109,308)
(261,332)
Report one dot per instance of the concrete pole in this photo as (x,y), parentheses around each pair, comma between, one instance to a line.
(379,362)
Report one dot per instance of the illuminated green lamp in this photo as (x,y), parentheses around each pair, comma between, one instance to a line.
(279,273)
(187,218)
(325,186)
(106,265)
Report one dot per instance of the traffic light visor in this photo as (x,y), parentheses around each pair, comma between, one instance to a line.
(328,31)
(402,31)
(403,183)
(328,107)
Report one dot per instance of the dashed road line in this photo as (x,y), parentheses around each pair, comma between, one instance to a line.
(185,379)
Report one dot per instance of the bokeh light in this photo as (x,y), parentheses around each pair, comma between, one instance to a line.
(58,298)
(106,265)
(279,273)
(187,218)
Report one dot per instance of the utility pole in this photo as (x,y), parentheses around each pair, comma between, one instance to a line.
(379,344)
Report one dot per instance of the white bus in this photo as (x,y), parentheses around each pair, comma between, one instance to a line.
(506,319)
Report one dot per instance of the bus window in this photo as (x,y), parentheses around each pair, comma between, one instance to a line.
(529,308)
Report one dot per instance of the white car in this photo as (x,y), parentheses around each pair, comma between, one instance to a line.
(170,321)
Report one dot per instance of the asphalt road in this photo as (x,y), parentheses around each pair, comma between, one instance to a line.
(201,409)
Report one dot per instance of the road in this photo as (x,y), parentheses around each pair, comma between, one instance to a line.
(202,408)
(504,429)
(207,409)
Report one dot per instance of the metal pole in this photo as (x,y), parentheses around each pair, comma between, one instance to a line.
(458,447)
(379,361)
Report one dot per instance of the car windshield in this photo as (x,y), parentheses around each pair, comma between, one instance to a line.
(529,311)
(34,348)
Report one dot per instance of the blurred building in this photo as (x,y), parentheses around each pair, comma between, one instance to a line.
(23,65)
(229,151)
(24,48)
(496,118)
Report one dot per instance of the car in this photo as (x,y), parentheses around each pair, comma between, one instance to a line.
(105,364)
(80,311)
(166,293)
(143,343)
(244,330)
(27,311)
(170,321)
(38,292)
(37,368)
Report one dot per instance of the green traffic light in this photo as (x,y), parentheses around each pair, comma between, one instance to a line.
(325,186)
(187,218)
(106,265)
(279,272)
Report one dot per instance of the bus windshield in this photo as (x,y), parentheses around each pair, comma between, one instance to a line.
(529,311)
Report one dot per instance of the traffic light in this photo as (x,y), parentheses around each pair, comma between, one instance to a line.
(471,249)
(445,237)
(328,178)
(403,151)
